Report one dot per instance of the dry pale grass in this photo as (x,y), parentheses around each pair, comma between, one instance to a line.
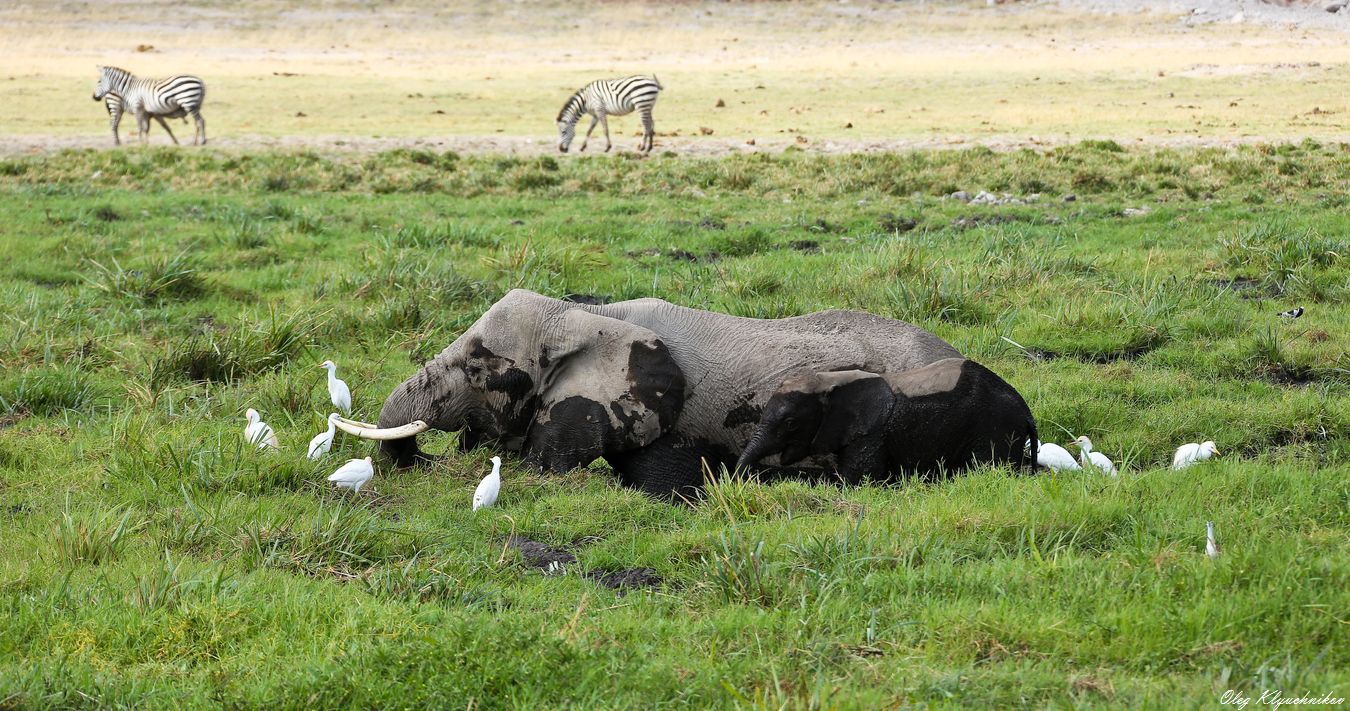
(855,73)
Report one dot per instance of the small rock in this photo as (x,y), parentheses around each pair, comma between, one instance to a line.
(750,142)
(1336,5)
(720,104)
(300,114)
(705,130)
(985,198)
(1136,211)
(961,195)
(802,139)
(848,125)
(1070,198)
(151,47)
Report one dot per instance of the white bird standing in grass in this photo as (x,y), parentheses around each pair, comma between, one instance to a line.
(257,432)
(338,392)
(323,441)
(354,474)
(1211,545)
(486,493)
(1090,458)
(1053,456)
(1188,454)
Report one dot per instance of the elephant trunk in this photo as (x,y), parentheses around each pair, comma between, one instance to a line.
(407,412)
(755,450)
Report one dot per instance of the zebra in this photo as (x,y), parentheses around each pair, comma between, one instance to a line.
(175,97)
(115,110)
(610,97)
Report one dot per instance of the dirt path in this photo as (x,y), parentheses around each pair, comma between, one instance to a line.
(682,147)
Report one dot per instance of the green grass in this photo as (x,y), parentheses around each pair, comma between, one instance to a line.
(152,559)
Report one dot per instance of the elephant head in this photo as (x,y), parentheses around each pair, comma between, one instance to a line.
(819,413)
(554,380)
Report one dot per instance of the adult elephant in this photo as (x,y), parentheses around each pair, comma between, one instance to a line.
(652,387)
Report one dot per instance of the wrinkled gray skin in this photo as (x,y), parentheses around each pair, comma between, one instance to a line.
(927,421)
(652,387)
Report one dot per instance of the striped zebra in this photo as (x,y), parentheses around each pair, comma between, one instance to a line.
(115,110)
(610,97)
(176,97)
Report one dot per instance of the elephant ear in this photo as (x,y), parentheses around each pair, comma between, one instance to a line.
(857,406)
(606,386)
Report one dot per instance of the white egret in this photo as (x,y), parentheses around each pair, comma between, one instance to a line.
(257,432)
(1053,456)
(1188,454)
(323,441)
(354,474)
(338,392)
(1090,458)
(486,493)
(1211,545)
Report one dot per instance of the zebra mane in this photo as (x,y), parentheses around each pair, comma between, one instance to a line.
(574,99)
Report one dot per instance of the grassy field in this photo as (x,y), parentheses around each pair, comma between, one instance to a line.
(150,559)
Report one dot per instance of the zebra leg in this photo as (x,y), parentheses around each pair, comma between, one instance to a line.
(608,143)
(201,127)
(143,126)
(594,120)
(165,124)
(648,131)
(115,119)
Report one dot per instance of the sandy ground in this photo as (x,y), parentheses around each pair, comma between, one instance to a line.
(479,77)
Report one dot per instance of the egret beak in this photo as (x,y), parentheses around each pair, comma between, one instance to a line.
(1217,453)
(368,431)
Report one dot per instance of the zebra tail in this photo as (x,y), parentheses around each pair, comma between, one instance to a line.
(658,83)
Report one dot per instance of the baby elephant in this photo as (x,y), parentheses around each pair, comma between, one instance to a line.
(941,417)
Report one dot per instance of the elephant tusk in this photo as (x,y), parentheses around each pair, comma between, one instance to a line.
(368,431)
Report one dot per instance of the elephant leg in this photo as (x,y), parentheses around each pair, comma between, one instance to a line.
(862,461)
(671,468)
(575,433)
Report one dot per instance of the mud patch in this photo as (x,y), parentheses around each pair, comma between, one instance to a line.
(625,581)
(890,222)
(1247,287)
(1295,376)
(554,561)
(1038,355)
(679,255)
(540,555)
(1105,357)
